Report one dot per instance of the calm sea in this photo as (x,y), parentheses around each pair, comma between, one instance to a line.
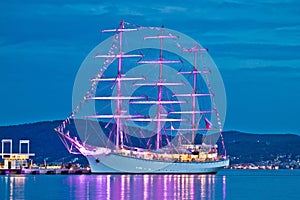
(227,184)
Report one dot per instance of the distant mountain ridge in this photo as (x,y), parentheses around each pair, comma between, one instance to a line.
(251,148)
(241,147)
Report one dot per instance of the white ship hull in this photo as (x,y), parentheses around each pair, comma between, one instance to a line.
(115,163)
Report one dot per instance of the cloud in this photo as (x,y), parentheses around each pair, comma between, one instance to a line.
(271,69)
(257,51)
(172,9)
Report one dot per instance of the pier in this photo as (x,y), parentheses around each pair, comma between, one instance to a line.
(45,171)
(17,163)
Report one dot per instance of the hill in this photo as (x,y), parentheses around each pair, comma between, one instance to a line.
(253,148)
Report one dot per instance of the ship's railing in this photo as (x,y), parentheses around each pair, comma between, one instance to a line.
(183,157)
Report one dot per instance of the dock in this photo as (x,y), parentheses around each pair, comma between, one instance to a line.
(45,171)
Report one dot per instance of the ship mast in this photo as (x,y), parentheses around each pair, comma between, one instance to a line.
(194,126)
(159,105)
(119,108)
(194,99)
(119,113)
(159,84)
(194,50)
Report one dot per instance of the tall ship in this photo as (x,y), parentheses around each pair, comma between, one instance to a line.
(147,100)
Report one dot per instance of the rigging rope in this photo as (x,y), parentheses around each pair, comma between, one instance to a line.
(108,60)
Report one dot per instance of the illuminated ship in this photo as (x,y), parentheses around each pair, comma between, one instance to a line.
(149,105)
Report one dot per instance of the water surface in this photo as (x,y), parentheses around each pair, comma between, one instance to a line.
(227,184)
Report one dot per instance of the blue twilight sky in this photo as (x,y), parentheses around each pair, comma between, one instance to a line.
(255,44)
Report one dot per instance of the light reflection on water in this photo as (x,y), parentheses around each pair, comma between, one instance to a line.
(227,184)
(113,187)
(13,185)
